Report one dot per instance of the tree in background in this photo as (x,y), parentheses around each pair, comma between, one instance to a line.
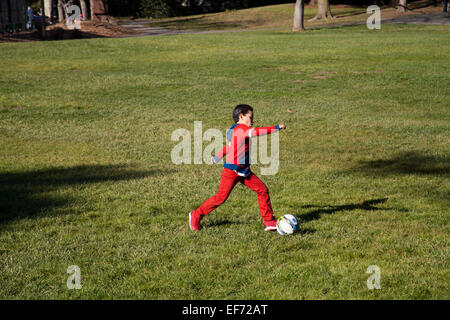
(62,5)
(48,8)
(61,11)
(156,8)
(402,6)
(99,10)
(323,10)
(84,10)
(299,14)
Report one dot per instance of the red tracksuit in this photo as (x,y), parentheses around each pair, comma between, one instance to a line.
(237,169)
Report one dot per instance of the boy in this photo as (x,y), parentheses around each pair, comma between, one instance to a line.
(237,169)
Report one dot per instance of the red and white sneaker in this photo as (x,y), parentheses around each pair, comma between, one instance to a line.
(194,221)
(270,225)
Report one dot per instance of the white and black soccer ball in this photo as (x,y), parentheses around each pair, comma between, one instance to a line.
(287,224)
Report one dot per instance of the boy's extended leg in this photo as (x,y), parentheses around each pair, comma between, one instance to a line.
(227,183)
(265,207)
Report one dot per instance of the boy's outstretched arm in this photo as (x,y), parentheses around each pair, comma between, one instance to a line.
(219,155)
(254,132)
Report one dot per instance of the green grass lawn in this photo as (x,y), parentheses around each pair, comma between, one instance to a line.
(86,176)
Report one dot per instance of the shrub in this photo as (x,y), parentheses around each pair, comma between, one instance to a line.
(155,8)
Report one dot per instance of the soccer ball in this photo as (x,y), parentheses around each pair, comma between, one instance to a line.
(287,224)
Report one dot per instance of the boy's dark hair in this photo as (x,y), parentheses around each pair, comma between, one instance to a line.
(241,109)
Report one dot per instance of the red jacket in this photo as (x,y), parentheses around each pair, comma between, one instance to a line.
(237,149)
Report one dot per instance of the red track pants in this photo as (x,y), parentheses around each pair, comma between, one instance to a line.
(227,183)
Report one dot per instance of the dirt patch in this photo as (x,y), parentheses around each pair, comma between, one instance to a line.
(89,29)
(106,29)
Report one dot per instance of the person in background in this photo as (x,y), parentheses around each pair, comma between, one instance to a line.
(445,5)
(30,18)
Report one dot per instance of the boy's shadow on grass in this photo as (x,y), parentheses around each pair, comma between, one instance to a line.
(219,223)
(368,205)
(32,193)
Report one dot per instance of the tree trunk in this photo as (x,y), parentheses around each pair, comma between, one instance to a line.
(402,6)
(48,8)
(99,10)
(91,6)
(299,14)
(323,7)
(329,10)
(61,16)
(84,10)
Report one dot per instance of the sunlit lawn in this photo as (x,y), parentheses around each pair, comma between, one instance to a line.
(86,176)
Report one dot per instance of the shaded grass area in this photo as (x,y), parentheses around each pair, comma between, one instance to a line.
(27,194)
(408,163)
(86,176)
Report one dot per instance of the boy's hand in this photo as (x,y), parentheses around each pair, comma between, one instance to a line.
(212,160)
(282,126)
